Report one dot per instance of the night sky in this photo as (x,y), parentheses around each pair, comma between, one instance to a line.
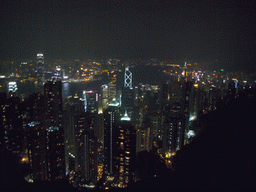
(220,32)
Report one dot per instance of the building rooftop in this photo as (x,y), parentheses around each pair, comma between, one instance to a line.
(114,103)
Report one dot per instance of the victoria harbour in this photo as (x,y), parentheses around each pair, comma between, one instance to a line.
(127,95)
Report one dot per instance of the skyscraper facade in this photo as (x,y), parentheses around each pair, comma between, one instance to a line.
(126,148)
(86,147)
(92,101)
(55,132)
(111,119)
(104,96)
(11,124)
(127,100)
(40,67)
(112,87)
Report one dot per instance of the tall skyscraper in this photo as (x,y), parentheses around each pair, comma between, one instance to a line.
(185,109)
(55,132)
(112,87)
(126,148)
(35,138)
(40,61)
(84,100)
(69,132)
(53,97)
(92,99)
(40,67)
(3,98)
(172,136)
(127,78)
(85,155)
(120,146)
(37,151)
(12,88)
(11,124)
(127,99)
(81,145)
(111,118)
(104,96)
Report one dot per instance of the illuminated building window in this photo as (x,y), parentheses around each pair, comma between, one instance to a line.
(121,170)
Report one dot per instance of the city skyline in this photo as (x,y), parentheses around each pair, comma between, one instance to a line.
(220,32)
(100,147)
(105,94)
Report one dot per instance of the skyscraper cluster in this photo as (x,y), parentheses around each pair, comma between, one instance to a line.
(33,130)
(94,140)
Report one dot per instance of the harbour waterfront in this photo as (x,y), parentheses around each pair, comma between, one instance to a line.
(141,74)
(24,89)
(68,88)
(73,88)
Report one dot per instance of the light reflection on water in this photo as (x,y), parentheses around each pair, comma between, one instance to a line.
(68,89)
(72,88)
(25,89)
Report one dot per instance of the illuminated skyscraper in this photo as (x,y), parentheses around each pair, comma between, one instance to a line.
(172,135)
(127,78)
(104,97)
(92,98)
(127,92)
(36,137)
(53,96)
(127,98)
(40,61)
(85,156)
(185,109)
(12,88)
(126,148)
(85,100)
(11,124)
(40,68)
(112,87)
(111,118)
(54,128)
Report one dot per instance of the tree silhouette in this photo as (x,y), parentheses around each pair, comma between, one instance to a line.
(223,155)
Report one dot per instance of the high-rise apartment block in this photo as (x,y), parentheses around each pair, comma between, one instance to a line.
(11,124)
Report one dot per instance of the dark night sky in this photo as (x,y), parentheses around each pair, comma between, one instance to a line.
(221,32)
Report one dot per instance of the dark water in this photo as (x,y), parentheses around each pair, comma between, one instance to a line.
(24,89)
(77,88)
(68,89)
(141,74)
(27,88)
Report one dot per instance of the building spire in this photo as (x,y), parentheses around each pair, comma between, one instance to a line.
(125,117)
